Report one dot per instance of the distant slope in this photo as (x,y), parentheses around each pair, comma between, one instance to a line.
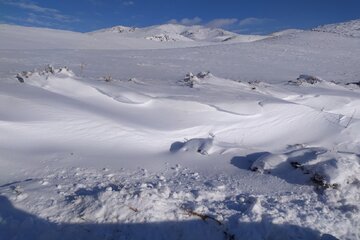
(349,29)
(19,37)
(286,32)
(120,37)
(153,37)
(176,32)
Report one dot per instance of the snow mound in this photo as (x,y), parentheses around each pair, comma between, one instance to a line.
(203,146)
(324,168)
(349,29)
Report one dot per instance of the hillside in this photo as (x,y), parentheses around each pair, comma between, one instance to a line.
(176,32)
(120,37)
(349,29)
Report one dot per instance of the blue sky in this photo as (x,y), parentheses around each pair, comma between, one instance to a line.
(242,16)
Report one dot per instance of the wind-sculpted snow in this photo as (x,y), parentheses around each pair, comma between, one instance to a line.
(231,141)
(99,117)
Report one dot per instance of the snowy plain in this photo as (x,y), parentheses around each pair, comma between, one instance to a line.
(260,141)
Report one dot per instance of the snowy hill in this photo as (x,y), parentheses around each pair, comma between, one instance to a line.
(107,135)
(120,37)
(350,29)
(286,32)
(18,37)
(176,32)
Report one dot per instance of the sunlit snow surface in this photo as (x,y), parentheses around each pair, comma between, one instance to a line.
(123,143)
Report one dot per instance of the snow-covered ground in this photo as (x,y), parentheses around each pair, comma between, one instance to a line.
(127,140)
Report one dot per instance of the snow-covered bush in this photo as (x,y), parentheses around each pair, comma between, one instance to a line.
(203,75)
(254,84)
(48,70)
(192,80)
(135,80)
(354,83)
(161,38)
(23,75)
(324,168)
(306,79)
(107,78)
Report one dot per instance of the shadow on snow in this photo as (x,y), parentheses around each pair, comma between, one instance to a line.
(18,224)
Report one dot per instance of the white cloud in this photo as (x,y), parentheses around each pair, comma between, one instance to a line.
(216,23)
(29,6)
(128,3)
(187,21)
(30,20)
(221,22)
(39,15)
(253,21)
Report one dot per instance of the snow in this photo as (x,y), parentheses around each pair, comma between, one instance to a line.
(119,37)
(177,32)
(185,139)
(350,28)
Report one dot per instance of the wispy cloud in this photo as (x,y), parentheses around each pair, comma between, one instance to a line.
(187,21)
(254,25)
(98,3)
(38,15)
(221,22)
(29,20)
(247,25)
(215,23)
(254,21)
(29,6)
(128,3)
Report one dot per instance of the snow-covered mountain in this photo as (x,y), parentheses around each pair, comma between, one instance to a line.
(119,37)
(177,32)
(350,28)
